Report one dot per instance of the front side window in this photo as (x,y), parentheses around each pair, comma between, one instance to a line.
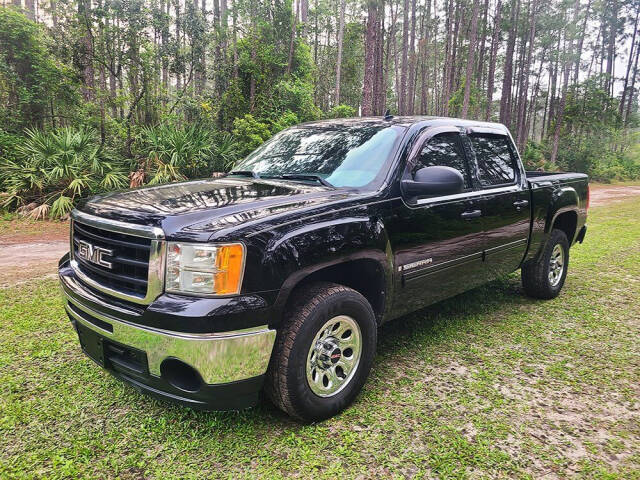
(495,161)
(342,156)
(443,150)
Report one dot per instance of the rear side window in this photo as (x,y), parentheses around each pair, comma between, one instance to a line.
(443,150)
(495,160)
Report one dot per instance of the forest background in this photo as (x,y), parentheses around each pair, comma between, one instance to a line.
(97,95)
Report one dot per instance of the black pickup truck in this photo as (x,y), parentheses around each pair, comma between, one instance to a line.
(277,276)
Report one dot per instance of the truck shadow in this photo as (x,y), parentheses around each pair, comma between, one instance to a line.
(431,326)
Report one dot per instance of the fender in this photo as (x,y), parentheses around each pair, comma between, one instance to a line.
(563,199)
(308,249)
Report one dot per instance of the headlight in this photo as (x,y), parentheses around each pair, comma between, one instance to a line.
(204,268)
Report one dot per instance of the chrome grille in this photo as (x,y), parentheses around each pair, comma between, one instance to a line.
(129,263)
(133,268)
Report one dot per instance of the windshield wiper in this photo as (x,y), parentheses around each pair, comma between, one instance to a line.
(305,176)
(245,173)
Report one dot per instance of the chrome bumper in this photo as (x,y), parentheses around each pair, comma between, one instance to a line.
(218,357)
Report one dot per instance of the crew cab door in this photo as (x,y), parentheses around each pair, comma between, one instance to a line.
(506,212)
(437,241)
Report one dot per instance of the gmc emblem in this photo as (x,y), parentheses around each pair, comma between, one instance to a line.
(94,254)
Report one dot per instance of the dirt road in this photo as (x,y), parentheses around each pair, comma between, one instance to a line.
(31,250)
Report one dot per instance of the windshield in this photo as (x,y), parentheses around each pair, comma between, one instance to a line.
(341,157)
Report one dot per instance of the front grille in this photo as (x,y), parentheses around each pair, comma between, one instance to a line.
(129,272)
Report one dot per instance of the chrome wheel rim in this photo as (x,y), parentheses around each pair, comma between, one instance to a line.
(334,356)
(556,265)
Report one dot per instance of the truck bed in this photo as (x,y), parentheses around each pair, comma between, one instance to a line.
(536,177)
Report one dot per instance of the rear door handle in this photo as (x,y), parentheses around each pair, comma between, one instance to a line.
(471,214)
(520,204)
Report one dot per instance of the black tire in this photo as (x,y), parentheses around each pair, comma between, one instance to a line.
(311,308)
(535,274)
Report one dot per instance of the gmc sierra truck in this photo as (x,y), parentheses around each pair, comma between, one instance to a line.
(276,277)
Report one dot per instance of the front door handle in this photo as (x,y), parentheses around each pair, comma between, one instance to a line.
(471,214)
(520,204)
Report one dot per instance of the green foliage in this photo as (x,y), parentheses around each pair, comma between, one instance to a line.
(30,81)
(476,99)
(592,138)
(534,157)
(172,153)
(233,104)
(294,96)
(57,167)
(8,145)
(225,151)
(341,111)
(352,66)
(249,133)
(287,120)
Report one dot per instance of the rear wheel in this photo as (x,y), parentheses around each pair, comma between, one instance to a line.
(545,277)
(323,352)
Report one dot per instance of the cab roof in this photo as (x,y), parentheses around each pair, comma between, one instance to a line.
(402,121)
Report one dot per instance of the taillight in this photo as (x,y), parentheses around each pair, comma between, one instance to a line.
(588,195)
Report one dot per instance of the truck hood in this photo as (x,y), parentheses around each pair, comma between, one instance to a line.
(212,208)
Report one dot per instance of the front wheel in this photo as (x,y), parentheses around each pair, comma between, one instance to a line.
(545,277)
(323,352)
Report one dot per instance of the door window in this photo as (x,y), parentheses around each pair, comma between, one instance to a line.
(443,150)
(495,161)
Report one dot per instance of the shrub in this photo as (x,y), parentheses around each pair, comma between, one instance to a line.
(287,120)
(341,111)
(55,168)
(225,152)
(171,153)
(249,134)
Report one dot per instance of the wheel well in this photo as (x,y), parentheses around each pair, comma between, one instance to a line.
(567,222)
(366,277)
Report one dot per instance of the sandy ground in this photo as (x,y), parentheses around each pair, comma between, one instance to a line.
(602,194)
(31,250)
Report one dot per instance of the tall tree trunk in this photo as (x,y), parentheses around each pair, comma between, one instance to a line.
(379,98)
(86,53)
(424,64)
(30,7)
(369,58)
(203,47)
(176,5)
(254,55)
(410,104)
(454,54)
(470,58)
(54,13)
(234,35)
(505,101)
(582,34)
(480,69)
(495,39)
(559,117)
(554,83)
(629,63)
(339,57)
(292,40)
(391,35)
(448,47)
(611,43)
(524,89)
(565,83)
(402,94)
(632,91)
(304,17)
(164,42)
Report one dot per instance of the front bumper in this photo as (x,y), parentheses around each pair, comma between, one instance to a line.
(221,370)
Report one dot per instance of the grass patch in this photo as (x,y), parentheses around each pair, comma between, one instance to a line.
(488,384)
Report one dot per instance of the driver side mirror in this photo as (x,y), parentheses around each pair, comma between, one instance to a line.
(436,180)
